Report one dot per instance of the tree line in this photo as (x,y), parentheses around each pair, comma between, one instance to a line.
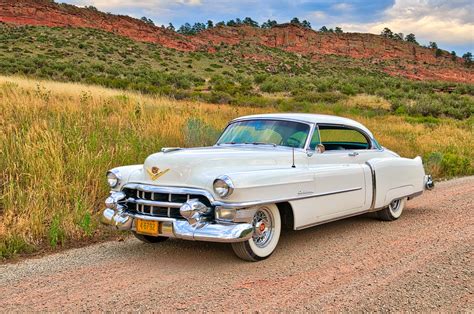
(188,29)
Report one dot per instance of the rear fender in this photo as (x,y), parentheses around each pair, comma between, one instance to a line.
(395,178)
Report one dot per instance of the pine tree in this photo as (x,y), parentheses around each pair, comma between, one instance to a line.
(411,38)
(295,21)
(387,33)
(269,24)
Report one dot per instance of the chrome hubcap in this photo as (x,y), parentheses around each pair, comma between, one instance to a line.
(394,206)
(263,227)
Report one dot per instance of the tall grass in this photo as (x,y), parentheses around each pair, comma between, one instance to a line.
(58,139)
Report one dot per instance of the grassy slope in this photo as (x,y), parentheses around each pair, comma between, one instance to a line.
(245,75)
(58,139)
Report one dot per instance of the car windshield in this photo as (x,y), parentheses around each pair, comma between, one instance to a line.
(266,132)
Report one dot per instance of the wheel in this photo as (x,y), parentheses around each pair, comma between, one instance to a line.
(267,228)
(149,239)
(393,211)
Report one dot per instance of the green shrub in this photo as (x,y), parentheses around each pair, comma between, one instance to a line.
(449,164)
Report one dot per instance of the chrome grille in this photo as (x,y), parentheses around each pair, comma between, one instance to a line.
(159,204)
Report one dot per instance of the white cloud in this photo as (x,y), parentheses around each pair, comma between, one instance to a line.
(190,2)
(318,15)
(342,6)
(430,20)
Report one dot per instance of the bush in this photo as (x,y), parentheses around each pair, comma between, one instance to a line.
(324,97)
(448,164)
(274,84)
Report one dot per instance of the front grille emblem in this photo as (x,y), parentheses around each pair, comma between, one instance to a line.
(155,172)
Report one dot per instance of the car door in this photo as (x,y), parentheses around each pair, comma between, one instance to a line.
(339,176)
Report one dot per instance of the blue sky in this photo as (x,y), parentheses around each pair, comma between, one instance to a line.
(449,23)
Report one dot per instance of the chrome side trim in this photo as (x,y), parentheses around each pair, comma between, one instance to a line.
(154,203)
(295,198)
(374,186)
(237,205)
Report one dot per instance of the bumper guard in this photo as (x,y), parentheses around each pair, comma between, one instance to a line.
(182,229)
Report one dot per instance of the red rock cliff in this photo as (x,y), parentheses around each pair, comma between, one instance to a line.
(413,61)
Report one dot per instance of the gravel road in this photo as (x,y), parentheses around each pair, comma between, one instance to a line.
(421,262)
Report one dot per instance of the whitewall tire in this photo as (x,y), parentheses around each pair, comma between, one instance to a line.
(267,229)
(393,211)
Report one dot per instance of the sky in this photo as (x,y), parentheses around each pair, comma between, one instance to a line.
(448,23)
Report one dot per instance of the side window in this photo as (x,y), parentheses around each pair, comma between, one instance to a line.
(342,138)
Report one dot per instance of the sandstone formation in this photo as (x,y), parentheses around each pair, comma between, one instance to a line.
(406,59)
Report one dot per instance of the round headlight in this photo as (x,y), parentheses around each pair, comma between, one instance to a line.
(113,178)
(223,186)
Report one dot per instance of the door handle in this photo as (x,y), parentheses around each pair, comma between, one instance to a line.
(353,154)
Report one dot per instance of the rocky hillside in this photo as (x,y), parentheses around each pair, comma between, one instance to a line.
(391,56)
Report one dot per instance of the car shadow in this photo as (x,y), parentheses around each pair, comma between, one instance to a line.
(187,253)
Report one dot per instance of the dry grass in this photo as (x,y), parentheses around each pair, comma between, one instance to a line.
(368,102)
(57,140)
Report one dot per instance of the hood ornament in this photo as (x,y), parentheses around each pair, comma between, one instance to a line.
(155,172)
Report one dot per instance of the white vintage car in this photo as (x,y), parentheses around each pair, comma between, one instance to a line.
(266,172)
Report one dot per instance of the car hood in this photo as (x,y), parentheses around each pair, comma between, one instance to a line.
(198,167)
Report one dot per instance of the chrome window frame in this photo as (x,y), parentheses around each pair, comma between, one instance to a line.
(311,125)
(370,140)
(315,128)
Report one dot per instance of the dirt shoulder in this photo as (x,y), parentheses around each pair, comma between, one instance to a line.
(421,262)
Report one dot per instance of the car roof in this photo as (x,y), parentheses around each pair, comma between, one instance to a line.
(309,118)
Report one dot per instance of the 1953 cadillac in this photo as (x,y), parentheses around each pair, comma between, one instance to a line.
(266,172)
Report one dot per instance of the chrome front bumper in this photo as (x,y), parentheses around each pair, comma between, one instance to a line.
(182,229)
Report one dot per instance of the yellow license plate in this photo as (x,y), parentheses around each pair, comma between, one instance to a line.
(147,227)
